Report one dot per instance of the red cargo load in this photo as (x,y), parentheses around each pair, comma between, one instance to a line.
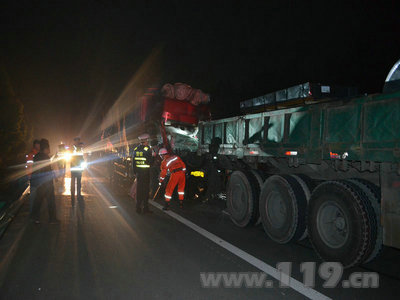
(180,111)
(184,92)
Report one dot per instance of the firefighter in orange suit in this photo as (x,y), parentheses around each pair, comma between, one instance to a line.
(174,165)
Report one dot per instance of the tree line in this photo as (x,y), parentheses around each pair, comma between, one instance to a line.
(15,134)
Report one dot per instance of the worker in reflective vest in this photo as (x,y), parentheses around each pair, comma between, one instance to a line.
(142,156)
(77,166)
(174,165)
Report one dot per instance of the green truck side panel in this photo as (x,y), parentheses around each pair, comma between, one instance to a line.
(231,133)
(276,129)
(343,124)
(208,133)
(314,153)
(218,129)
(382,121)
(256,130)
(299,128)
(367,128)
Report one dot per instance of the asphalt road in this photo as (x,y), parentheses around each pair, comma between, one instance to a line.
(103,250)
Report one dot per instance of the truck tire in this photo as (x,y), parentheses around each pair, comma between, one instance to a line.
(242,195)
(283,207)
(338,222)
(311,184)
(307,185)
(373,194)
(260,178)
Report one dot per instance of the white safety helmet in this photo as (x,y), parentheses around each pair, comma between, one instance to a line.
(163,151)
(144,137)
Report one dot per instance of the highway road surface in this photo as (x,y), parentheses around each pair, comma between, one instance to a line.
(102,249)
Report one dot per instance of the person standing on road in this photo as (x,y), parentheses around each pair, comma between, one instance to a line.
(77,166)
(155,168)
(212,167)
(174,165)
(42,179)
(29,164)
(143,159)
(60,155)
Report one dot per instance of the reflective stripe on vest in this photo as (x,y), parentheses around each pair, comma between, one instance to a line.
(76,169)
(172,160)
(140,158)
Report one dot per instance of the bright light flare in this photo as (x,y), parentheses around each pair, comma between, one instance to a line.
(67,156)
(20,170)
(67,186)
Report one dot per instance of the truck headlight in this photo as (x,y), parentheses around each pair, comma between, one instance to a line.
(84,165)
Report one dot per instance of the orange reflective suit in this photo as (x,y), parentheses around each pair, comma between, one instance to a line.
(177,168)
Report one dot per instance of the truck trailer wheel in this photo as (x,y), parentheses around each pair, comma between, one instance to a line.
(307,185)
(310,183)
(260,177)
(283,206)
(374,196)
(338,223)
(242,195)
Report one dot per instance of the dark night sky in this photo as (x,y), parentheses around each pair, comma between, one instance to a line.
(67,60)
